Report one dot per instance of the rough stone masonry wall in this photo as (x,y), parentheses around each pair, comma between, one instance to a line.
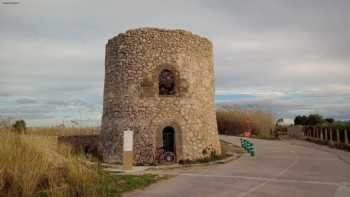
(133,62)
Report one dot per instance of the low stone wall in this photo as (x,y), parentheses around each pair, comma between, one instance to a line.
(296,132)
(86,144)
(331,144)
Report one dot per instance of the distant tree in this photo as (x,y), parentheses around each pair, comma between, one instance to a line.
(297,120)
(314,119)
(329,120)
(300,120)
(304,120)
(19,126)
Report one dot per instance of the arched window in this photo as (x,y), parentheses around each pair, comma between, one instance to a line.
(167,83)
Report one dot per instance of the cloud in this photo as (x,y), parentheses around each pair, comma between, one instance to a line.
(272,51)
(26,101)
(331,101)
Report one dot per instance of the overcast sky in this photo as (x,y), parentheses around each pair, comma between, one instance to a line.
(289,57)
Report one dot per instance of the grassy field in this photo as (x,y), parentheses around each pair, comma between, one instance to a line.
(116,185)
(35,165)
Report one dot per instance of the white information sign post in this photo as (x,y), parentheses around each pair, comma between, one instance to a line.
(127,147)
(128,140)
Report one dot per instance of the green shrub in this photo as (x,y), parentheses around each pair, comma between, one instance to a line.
(19,126)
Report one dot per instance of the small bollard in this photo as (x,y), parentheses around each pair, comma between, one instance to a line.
(252,150)
(245,144)
(252,153)
(249,147)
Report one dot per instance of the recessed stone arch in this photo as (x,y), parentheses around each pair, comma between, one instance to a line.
(167,68)
(150,83)
(166,83)
(178,137)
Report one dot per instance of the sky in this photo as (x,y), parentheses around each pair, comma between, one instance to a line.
(287,57)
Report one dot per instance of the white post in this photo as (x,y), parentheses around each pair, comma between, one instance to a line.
(346,136)
(338,136)
(127,147)
(331,134)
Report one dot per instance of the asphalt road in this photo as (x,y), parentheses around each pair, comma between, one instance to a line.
(280,168)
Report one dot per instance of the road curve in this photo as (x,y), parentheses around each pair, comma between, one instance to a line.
(287,168)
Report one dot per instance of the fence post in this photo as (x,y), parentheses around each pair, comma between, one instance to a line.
(315,134)
(321,134)
(346,136)
(331,134)
(338,136)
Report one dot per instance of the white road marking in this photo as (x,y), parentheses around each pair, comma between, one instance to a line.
(263,179)
(304,159)
(296,160)
(343,191)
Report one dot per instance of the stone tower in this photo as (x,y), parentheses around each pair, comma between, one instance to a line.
(160,84)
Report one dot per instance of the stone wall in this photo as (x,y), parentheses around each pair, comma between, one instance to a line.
(296,131)
(134,60)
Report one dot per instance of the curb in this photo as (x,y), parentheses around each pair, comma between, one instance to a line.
(179,166)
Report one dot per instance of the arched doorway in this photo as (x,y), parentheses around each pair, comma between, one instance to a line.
(169,139)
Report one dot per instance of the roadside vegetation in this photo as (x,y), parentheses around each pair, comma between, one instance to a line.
(19,126)
(319,121)
(235,122)
(55,131)
(33,165)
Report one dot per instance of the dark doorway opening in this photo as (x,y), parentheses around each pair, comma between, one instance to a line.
(169,139)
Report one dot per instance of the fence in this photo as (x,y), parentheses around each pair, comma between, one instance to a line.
(327,135)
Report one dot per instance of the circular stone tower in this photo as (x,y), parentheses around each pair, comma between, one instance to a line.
(160,84)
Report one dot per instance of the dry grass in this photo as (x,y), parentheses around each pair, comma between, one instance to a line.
(38,166)
(62,131)
(236,122)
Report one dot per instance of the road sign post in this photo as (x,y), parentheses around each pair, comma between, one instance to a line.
(128,149)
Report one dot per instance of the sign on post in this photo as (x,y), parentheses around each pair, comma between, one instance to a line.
(247,134)
(127,149)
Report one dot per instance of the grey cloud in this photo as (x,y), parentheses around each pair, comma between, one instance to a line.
(57,102)
(53,52)
(26,109)
(26,101)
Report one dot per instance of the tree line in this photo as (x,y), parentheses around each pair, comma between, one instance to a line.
(312,119)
